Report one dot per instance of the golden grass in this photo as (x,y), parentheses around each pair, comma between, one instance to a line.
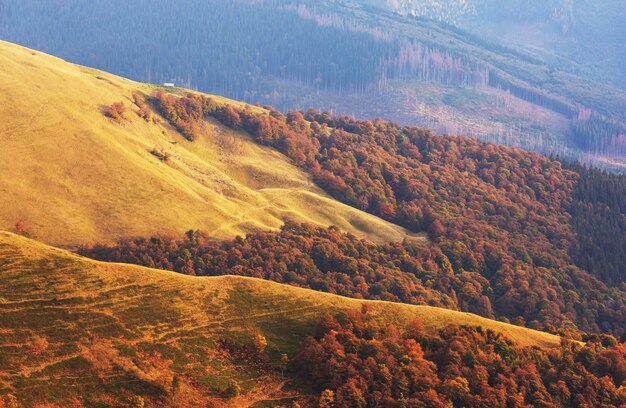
(75,177)
(67,321)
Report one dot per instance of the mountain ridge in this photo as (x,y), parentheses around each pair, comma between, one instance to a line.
(514,223)
(223,182)
(117,325)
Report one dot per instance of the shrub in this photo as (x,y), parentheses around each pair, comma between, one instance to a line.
(260,343)
(116,111)
(160,153)
(231,117)
(145,114)
(234,389)
(21,229)
(137,402)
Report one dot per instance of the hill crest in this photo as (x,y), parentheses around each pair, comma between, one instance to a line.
(121,330)
(86,178)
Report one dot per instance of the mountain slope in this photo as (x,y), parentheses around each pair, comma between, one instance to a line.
(78,331)
(497,216)
(73,176)
(501,217)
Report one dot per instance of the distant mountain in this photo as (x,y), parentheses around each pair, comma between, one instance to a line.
(355,59)
(584,37)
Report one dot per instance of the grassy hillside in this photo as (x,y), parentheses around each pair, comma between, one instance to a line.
(74,330)
(77,177)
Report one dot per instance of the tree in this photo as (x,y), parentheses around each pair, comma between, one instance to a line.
(11,401)
(327,399)
(260,343)
(436,229)
(457,390)
(116,111)
(230,117)
(233,389)
(137,402)
(175,385)
(349,395)
(415,328)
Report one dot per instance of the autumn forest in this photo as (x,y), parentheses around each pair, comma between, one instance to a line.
(405,204)
(513,236)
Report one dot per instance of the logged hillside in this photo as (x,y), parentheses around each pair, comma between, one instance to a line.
(75,172)
(123,334)
(583,37)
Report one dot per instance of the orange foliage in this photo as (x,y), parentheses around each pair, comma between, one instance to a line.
(365,364)
(500,217)
(116,111)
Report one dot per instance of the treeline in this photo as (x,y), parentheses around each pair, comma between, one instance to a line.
(599,220)
(500,214)
(258,51)
(598,136)
(359,362)
(183,113)
(533,96)
(316,258)
(416,61)
(331,261)
(143,41)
